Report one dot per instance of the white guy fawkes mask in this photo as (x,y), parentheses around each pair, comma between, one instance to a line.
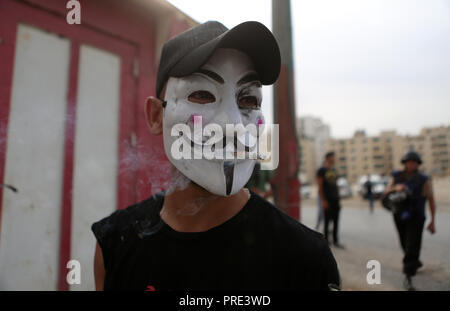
(226,90)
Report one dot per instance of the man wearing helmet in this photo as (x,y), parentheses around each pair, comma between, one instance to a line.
(410,219)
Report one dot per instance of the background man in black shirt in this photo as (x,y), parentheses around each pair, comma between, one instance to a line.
(329,195)
(368,185)
(207,231)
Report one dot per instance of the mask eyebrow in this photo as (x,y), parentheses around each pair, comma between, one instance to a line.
(212,75)
(250,77)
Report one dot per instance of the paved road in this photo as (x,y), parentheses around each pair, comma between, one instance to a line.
(373,236)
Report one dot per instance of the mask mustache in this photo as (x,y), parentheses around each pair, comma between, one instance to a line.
(244,140)
(245,143)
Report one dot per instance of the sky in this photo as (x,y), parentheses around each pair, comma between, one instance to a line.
(373,64)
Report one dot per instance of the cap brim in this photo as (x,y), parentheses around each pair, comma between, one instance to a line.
(252,38)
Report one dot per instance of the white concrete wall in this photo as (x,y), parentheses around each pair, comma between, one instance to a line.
(96,153)
(29,238)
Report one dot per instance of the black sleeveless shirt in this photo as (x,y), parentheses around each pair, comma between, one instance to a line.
(260,248)
(415,184)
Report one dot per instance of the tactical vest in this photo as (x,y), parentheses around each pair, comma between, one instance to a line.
(415,186)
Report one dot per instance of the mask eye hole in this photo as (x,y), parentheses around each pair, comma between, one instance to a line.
(201,97)
(248,102)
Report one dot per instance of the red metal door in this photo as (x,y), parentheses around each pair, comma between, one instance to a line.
(13,14)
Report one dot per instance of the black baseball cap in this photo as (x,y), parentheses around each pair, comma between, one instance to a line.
(329,154)
(188,51)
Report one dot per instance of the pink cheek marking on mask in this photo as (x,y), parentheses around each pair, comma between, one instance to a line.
(196,119)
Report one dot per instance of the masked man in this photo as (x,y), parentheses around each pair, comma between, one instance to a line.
(206,231)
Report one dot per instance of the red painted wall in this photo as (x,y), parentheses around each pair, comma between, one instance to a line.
(124,27)
(125,21)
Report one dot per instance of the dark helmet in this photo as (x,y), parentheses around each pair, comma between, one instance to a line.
(411,156)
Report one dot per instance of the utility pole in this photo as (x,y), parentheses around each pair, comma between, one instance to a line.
(286,186)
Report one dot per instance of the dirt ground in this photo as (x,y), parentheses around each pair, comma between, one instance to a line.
(441,188)
(369,236)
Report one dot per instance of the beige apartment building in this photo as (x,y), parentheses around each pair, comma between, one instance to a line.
(433,144)
(361,155)
(308,162)
(313,134)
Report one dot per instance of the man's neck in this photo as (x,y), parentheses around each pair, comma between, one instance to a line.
(193,209)
(410,173)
